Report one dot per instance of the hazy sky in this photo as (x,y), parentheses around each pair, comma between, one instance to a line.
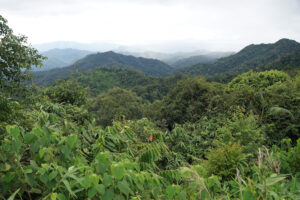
(211,24)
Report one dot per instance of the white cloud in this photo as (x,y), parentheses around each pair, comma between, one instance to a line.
(215,24)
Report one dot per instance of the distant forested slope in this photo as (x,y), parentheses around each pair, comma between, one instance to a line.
(109,59)
(57,58)
(289,62)
(250,57)
(148,87)
(205,58)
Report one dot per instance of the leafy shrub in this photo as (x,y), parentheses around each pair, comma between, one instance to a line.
(117,103)
(223,161)
(188,101)
(258,80)
(67,92)
(289,156)
(244,130)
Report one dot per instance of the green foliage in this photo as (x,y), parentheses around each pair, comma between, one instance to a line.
(67,92)
(251,57)
(258,80)
(244,130)
(117,103)
(148,87)
(231,141)
(223,161)
(188,101)
(110,59)
(289,156)
(16,56)
(289,63)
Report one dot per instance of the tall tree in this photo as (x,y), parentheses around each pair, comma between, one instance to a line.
(16,56)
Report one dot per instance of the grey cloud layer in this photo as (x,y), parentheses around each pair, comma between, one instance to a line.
(223,22)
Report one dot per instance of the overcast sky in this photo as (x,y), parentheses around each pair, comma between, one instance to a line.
(210,24)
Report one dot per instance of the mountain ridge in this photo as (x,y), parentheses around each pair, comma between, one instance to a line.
(57,58)
(151,67)
(250,57)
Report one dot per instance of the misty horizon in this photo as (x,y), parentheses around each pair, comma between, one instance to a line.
(171,47)
(161,26)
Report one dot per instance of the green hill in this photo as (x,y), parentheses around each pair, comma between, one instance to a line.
(205,58)
(148,87)
(289,63)
(108,59)
(57,58)
(248,58)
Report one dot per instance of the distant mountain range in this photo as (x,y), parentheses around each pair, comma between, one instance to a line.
(173,58)
(93,47)
(251,57)
(282,55)
(167,47)
(57,58)
(205,58)
(62,57)
(108,59)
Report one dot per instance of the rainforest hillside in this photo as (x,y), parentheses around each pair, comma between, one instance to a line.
(251,57)
(150,88)
(108,59)
(118,133)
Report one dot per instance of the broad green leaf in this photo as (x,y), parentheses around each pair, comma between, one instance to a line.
(107,180)
(53,196)
(86,183)
(94,179)
(16,145)
(61,196)
(28,138)
(37,132)
(92,192)
(42,152)
(52,175)
(118,171)
(108,195)
(100,188)
(14,131)
(44,178)
(124,188)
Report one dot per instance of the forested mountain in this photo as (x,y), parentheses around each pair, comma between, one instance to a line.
(205,58)
(96,136)
(148,87)
(109,59)
(57,58)
(289,63)
(182,58)
(248,58)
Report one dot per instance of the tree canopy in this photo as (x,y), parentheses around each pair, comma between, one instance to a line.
(16,56)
